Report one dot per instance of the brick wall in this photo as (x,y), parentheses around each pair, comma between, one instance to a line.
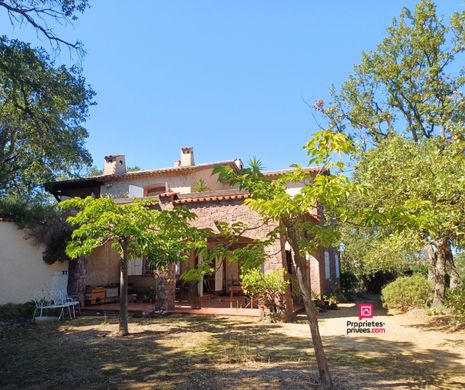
(236,211)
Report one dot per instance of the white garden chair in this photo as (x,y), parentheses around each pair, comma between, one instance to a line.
(54,300)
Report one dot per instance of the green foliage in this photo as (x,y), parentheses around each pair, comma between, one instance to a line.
(327,191)
(407,292)
(460,264)
(134,230)
(368,250)
(404,103)
(42,109)
(416,186)
(411,83)
(269,288)
(17,312)
(43,221)
(349,282)
(200,186)
(92,171)
(455,301)
(25,213)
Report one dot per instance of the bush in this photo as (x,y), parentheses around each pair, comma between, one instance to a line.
(375,282)
(407,292)
(455,301)
(349,281)
(17,312)
(269,289)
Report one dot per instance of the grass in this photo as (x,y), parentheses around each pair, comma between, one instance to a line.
(197,353)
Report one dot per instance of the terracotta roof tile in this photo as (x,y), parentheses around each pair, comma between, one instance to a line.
(275,174)
(211,198)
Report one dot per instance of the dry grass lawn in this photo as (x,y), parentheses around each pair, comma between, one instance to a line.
(192,352)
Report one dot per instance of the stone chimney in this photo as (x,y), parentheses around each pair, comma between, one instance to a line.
(187,157)
(114,165)
(238,163)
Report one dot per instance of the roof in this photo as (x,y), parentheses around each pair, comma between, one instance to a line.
(101,179)
(211,196)
(277,173)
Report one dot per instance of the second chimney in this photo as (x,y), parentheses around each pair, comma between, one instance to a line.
(114,165)
(187,157)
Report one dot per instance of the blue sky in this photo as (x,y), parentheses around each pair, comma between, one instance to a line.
(228,77)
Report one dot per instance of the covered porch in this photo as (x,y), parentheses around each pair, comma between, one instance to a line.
(210,305)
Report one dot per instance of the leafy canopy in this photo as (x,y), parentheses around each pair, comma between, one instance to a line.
(411,84)
(42,109)
(133,230)
(416,186)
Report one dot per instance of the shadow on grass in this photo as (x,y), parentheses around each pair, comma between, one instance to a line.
(441,323)
(207,353)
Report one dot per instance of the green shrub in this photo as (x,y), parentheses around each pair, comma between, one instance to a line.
(455,301)
(269,288)
(349,282)
(407,292)
(17,312)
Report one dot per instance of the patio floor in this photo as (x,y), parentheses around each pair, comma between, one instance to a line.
(210,305)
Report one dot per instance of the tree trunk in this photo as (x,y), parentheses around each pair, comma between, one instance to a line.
(310,310)
(193,295)
(455,281)
(123,299)
(432,259)
(440,272)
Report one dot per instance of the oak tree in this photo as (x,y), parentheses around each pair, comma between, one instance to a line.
(411,86)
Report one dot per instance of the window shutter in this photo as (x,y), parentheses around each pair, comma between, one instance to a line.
(135,266)
(327,267)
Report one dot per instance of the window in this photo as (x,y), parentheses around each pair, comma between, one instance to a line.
(148,268)
(135,266)
(336,262)
(139,266)
(327,267)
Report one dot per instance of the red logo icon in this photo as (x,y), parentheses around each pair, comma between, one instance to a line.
(365,310)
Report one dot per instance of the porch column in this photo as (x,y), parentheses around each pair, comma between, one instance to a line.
(165,288)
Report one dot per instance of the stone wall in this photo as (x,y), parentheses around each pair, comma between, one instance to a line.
(236,211)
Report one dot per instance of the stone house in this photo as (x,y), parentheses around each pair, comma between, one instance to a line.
(217,202)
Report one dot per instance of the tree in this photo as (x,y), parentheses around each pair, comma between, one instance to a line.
(133,230)
(39,13)
(411,85)
(95,171)
(409,183)
(374,255)
(42,109)
(324,190)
